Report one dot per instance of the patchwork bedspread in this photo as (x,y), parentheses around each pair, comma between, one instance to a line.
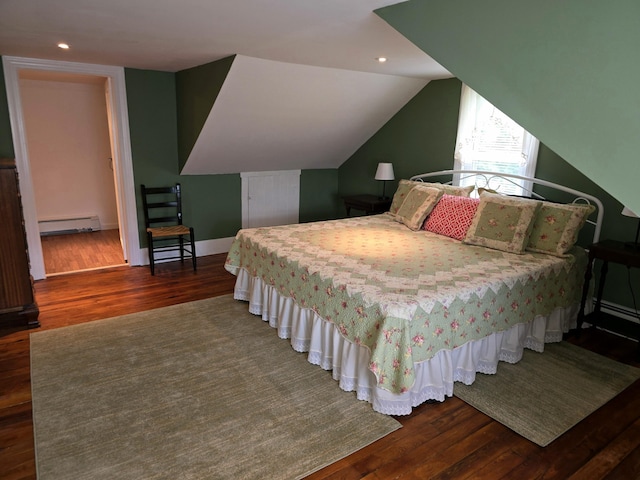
(405,295)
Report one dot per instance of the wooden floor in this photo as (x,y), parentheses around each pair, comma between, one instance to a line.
(81,251)
(445,440)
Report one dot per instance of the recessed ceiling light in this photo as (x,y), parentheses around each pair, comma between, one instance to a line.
(381,59)
(63,46)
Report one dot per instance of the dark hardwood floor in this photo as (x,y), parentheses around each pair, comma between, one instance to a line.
(445,440)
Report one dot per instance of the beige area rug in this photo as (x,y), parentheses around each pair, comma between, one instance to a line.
(545,394)
(193,391)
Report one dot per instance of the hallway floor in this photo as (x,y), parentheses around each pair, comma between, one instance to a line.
(81,251)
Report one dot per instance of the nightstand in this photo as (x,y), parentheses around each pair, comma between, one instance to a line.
(616,252)
(369,204)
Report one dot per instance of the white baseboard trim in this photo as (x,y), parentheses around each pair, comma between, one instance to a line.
(203,248)
(615,310)
(619,311)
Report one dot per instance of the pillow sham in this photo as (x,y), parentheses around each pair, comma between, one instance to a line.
(502,223)
(450,189)
(452,216)
(404,186)
(556,227)
(417,205)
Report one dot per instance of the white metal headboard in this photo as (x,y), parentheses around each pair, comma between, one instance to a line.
(487,177)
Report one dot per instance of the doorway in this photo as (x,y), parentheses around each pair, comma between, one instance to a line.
(69,146)
(120,146)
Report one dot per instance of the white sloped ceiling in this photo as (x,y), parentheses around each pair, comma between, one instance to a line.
(272,115)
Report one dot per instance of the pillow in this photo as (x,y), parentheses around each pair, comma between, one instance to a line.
(556,227)
(452,216)
(451,189)
(417,205)
(404,186)
(503,223)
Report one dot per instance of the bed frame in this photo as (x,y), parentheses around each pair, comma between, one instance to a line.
(488,180)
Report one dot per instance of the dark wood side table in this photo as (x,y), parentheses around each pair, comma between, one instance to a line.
(616,252)
(369,204)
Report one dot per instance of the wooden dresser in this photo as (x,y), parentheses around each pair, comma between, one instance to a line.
(17,298)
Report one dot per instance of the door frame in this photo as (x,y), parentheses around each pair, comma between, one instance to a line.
(122,161)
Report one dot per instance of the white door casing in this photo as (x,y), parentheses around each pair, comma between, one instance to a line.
(122,159)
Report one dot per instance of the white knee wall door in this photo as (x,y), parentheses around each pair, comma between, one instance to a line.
(270,198)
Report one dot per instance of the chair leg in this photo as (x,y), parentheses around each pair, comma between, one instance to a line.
(181,241)
(151,259)
(193,248)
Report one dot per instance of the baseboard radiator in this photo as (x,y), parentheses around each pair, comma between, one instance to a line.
(59,226)
(620,311)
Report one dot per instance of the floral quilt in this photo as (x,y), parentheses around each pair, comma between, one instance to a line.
(405,294)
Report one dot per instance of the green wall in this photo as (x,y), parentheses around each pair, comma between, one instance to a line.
(197,89)
(565,70)
(211,202)
(6,141)
(319,196)
(421,138)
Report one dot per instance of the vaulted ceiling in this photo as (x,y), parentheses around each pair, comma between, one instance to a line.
(282,116)
(305,90)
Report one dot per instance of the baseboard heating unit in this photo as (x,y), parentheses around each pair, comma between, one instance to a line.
(59,226)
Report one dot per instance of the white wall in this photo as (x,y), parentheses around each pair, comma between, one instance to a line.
(69,148)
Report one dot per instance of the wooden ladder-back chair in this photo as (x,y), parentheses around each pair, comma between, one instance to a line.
(163,222)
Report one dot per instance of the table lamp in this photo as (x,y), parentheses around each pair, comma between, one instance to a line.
(384,173)
(628,213)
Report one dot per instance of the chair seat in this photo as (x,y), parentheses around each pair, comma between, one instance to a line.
(168,231)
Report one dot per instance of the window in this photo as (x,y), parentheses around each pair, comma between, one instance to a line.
(489,140)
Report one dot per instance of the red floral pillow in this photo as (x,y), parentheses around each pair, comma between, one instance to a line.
(452,216)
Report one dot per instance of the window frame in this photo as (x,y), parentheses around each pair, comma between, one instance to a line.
(470,103)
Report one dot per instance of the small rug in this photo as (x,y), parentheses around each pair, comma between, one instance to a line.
(545,394)
(192,391)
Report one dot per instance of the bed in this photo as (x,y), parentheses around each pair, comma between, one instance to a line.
(401,305)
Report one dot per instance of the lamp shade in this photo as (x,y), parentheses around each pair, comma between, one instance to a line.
(628,213)
(384,171)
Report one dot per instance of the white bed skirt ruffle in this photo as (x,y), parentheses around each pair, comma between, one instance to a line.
(326,347)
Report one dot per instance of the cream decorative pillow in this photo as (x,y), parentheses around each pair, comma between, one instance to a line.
(404,186)
(556,227)
(417,205)
(451,189)
(503,223)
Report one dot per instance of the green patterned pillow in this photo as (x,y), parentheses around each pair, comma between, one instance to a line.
(556,227)
(417,205)
(503,223)
(405,186)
